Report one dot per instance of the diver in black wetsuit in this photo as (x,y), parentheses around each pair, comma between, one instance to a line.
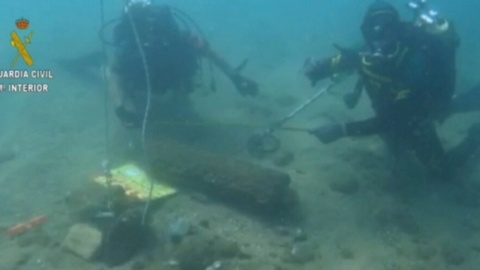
(408,72)
(172,53)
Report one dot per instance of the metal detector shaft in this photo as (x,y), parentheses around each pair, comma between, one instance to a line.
(300,108)
(265,143)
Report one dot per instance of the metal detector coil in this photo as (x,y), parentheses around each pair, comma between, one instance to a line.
(260,145)
(263,144)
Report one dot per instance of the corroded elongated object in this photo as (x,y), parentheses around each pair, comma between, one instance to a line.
(234,181)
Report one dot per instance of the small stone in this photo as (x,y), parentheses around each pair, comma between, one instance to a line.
(83,240)
(177,229)
(217,264)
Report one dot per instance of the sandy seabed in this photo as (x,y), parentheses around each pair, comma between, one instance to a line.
(360,208)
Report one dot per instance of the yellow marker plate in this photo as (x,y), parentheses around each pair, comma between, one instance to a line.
(135,182)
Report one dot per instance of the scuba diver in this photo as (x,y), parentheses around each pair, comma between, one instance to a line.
(408,71)
(154,48)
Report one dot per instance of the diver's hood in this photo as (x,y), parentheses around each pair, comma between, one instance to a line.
(154,23)
(381,27)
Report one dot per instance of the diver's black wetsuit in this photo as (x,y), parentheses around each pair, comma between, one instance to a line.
(409,90)
(172,52)
(171,55)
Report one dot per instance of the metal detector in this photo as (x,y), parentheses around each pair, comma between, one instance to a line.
(261,144)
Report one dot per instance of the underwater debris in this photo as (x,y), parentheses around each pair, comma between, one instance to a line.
(24,227)
(83,240)
(233,181)
(177,229)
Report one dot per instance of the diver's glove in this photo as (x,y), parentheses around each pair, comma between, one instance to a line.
(316,70)
(329,133)
(245,86)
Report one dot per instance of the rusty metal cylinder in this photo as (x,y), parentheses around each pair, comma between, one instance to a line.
(231,180)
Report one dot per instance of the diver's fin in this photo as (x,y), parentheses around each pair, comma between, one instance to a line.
(86,67)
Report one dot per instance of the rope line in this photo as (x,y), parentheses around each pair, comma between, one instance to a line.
(147,107)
